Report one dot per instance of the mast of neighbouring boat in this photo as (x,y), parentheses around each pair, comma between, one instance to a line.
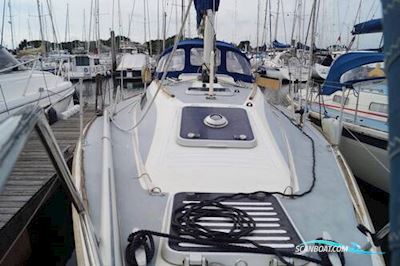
(131,19)
(391,34)
(182,16)
(264,33)
(292,41)
(144,23)
(53,27)
(2,22)
(97,25)
(270,22)
(11,25)
(66,33)
(41,27)
(84,27)
(258,27)
(164,25)
(277,21)
(149,28)
(311,62)
(90,26)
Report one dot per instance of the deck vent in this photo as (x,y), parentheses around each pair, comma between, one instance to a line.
(215,121)
(274,228)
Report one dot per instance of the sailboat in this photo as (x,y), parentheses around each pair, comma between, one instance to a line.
(20,86)
(357,81)
(200,169)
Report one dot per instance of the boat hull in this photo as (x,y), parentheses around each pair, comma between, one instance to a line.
(363,162)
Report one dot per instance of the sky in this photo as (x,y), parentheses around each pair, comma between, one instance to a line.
(236,20)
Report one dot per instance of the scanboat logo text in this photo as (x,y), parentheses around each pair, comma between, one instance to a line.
(332,247)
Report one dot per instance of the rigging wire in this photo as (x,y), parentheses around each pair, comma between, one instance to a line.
(165,70)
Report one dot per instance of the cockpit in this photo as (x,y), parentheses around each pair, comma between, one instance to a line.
(188,58)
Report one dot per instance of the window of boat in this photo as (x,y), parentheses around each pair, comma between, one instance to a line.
(338,99)
(82,61)
(378,107)
(236,63)
(177,62)
(364,72)
(6,59)
(197,57)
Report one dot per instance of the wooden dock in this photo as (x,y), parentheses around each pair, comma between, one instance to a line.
(33,179)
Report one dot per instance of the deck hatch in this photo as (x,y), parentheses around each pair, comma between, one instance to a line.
(200,127)
(274,227)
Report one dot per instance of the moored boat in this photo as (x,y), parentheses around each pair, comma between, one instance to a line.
(357,81)
(20,86)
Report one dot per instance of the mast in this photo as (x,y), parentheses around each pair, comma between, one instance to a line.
(66,39)
(148,26)
(158,19)
(270,21)
(183,16)
(144,22)
(164,25)
(276,22)
(119,20)
(235,24)
(176,17)
(29,29)
(311,62)
(2,22)
(131,19)
(283,19)
(90,26)
(49,7)
(11,25)
(84,26)
(299,8)
(189,33)
(41,25)
(97,29)
(294,24)
(207,13)
(258,26)
(264,34)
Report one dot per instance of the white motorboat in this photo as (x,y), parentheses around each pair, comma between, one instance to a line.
(131,66)
(84,67)
(20,86)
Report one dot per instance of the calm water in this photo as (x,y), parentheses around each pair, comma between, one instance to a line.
(59,243)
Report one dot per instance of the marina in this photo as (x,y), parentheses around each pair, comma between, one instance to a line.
(175,137)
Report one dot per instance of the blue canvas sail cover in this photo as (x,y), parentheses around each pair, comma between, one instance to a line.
(201,7)
(346,63)
(370,26)
(280,45)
